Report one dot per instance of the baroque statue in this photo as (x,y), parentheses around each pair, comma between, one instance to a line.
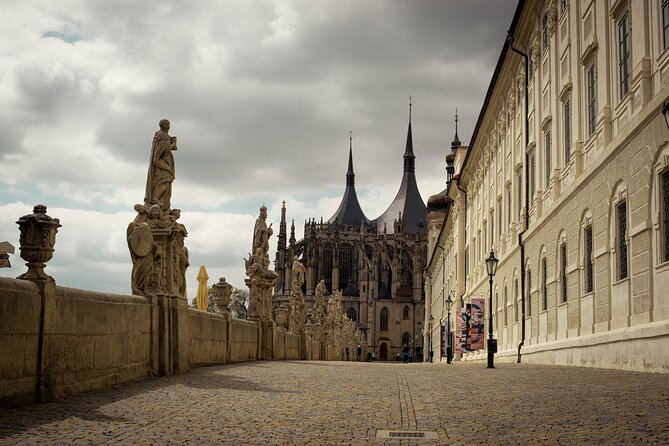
(161,167)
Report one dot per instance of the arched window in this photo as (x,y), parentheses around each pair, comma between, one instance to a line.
(515,300)
(406,338)
(384,319)
(544,284)
(506,318)
(529,293)
(352,314)
(405,312)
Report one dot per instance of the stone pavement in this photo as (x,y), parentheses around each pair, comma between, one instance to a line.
(338,403)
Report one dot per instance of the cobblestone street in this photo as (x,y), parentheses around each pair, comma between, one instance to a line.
(328,403)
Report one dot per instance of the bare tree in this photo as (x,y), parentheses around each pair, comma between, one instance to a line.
(240,304)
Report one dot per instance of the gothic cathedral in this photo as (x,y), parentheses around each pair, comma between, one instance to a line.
(377,264)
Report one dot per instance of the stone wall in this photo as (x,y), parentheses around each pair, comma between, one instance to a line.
(56,341)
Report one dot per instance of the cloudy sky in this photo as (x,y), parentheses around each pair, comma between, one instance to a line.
(262,96)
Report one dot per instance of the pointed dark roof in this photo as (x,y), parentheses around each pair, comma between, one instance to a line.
(349,211)
(408,200)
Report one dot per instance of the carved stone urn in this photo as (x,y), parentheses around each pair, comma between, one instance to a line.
(220,294)
(38,237)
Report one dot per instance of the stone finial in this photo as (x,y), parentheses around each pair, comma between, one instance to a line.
(38,237)
(221,294)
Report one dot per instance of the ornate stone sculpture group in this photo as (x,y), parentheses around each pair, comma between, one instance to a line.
(155,238)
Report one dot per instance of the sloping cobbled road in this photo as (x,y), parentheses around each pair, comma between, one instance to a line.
(344,403)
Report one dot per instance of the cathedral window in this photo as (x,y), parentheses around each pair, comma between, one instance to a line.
(384,319)
(352,314)
(405,312)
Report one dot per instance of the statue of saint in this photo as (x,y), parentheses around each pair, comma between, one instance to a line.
(297,277)
(320,293)
(161,168)
(261,233)
(142,252)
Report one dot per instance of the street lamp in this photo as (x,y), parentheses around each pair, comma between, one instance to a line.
(430,336)
(491,266)
(449,346)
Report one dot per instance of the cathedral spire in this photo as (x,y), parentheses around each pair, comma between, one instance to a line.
(350,175)
(409,158)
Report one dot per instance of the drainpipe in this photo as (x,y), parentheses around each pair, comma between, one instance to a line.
(521,243)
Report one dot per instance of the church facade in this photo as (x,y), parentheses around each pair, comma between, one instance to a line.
(566,181)
(377,264)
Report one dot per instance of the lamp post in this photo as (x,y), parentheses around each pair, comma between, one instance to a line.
(449,345)
(491,266)
(430,336)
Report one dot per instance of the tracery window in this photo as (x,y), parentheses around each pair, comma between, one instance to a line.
(384,319)
(405,312)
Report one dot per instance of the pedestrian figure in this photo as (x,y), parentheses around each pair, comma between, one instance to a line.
(359,351)
(347,353)
(369,356)
(405,353)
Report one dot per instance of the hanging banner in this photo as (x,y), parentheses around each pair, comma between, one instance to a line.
(477,324)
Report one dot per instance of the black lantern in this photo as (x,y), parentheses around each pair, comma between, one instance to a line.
(449,344)
(491,265)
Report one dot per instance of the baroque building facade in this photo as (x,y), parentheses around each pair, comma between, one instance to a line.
(566,179)
(377,264)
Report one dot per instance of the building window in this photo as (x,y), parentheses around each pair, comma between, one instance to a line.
(508,206)
(591,83)
(515,300)
(384,319)
(665,217)
(567,131)
(519,199)
(406,339)
(532,172)
(665,23)
(466,263)
(485,239)
(563,271)
(405,312)
(624,53)
(587,261)
(352,314)
(547,139)
(506,317)
(500,219)
(544,284)
(622,240)
(529,293)
(545,33)
(563,6)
